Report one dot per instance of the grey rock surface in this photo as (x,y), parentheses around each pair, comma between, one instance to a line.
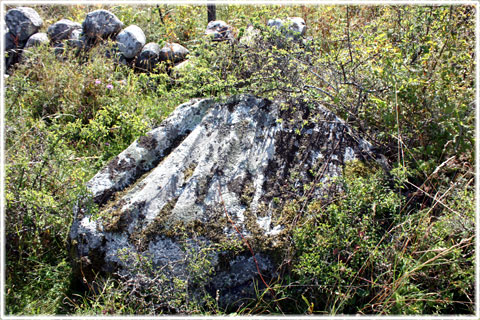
(9,41)
(36,40)
(207,160)
(293,27)
(148,58)
(101,24)
(219,30)
(23,22)
(249,36)
(12,50)
(76,39)
(181,68)
(63,29)
(131,41)
(173,52)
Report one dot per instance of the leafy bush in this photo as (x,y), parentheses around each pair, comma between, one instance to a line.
(341,246)
(402,76)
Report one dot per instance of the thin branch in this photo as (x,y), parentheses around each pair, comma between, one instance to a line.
(319,89)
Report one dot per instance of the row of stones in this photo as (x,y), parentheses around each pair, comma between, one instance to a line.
(23,24)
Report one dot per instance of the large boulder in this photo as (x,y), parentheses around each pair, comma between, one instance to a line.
(63,30)
(23,22)
(101,24)
(131,41)
(183,194)
(173,53)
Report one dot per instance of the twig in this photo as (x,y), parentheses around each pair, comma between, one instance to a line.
(319,89)
(348,35)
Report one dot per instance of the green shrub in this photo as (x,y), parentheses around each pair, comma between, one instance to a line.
(340,246)
(390,243)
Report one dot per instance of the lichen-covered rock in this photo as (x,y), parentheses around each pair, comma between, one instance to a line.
(219,30)
(63,29)
(12,50)
(23,22)
(101,24)
(173,53)
(148,58)
(77,39)
(181,68)
(209,171)
(297,24)
(293,27)
(249,37)
(36,40)
(9,41)
(131,41)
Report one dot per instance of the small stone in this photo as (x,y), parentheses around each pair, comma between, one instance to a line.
(298,25)
(292,27)
(148,58)
(23,22)
(249,36)
(181,68)
(131,41)
(62,30)
(76,40)
(101,24)
(59,50)
(173,52)
(219,30)
(36,40)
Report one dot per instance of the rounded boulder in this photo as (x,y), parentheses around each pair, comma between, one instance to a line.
(148,57)
(23,22)
(131,41)
(173,52)
(101,24)
(62,30)
(36,40)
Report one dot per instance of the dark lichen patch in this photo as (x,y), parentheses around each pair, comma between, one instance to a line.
(202,187)
(115,166)
(148,142)
(140,238)
(111,213)
(187,174)
(119,164)
(244,188)
(311,139)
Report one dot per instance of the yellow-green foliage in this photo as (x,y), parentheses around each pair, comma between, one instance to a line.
(391,243)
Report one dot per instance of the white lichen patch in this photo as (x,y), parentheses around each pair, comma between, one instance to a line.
(349,155)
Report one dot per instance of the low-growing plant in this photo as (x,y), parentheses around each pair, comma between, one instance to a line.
(396,242)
